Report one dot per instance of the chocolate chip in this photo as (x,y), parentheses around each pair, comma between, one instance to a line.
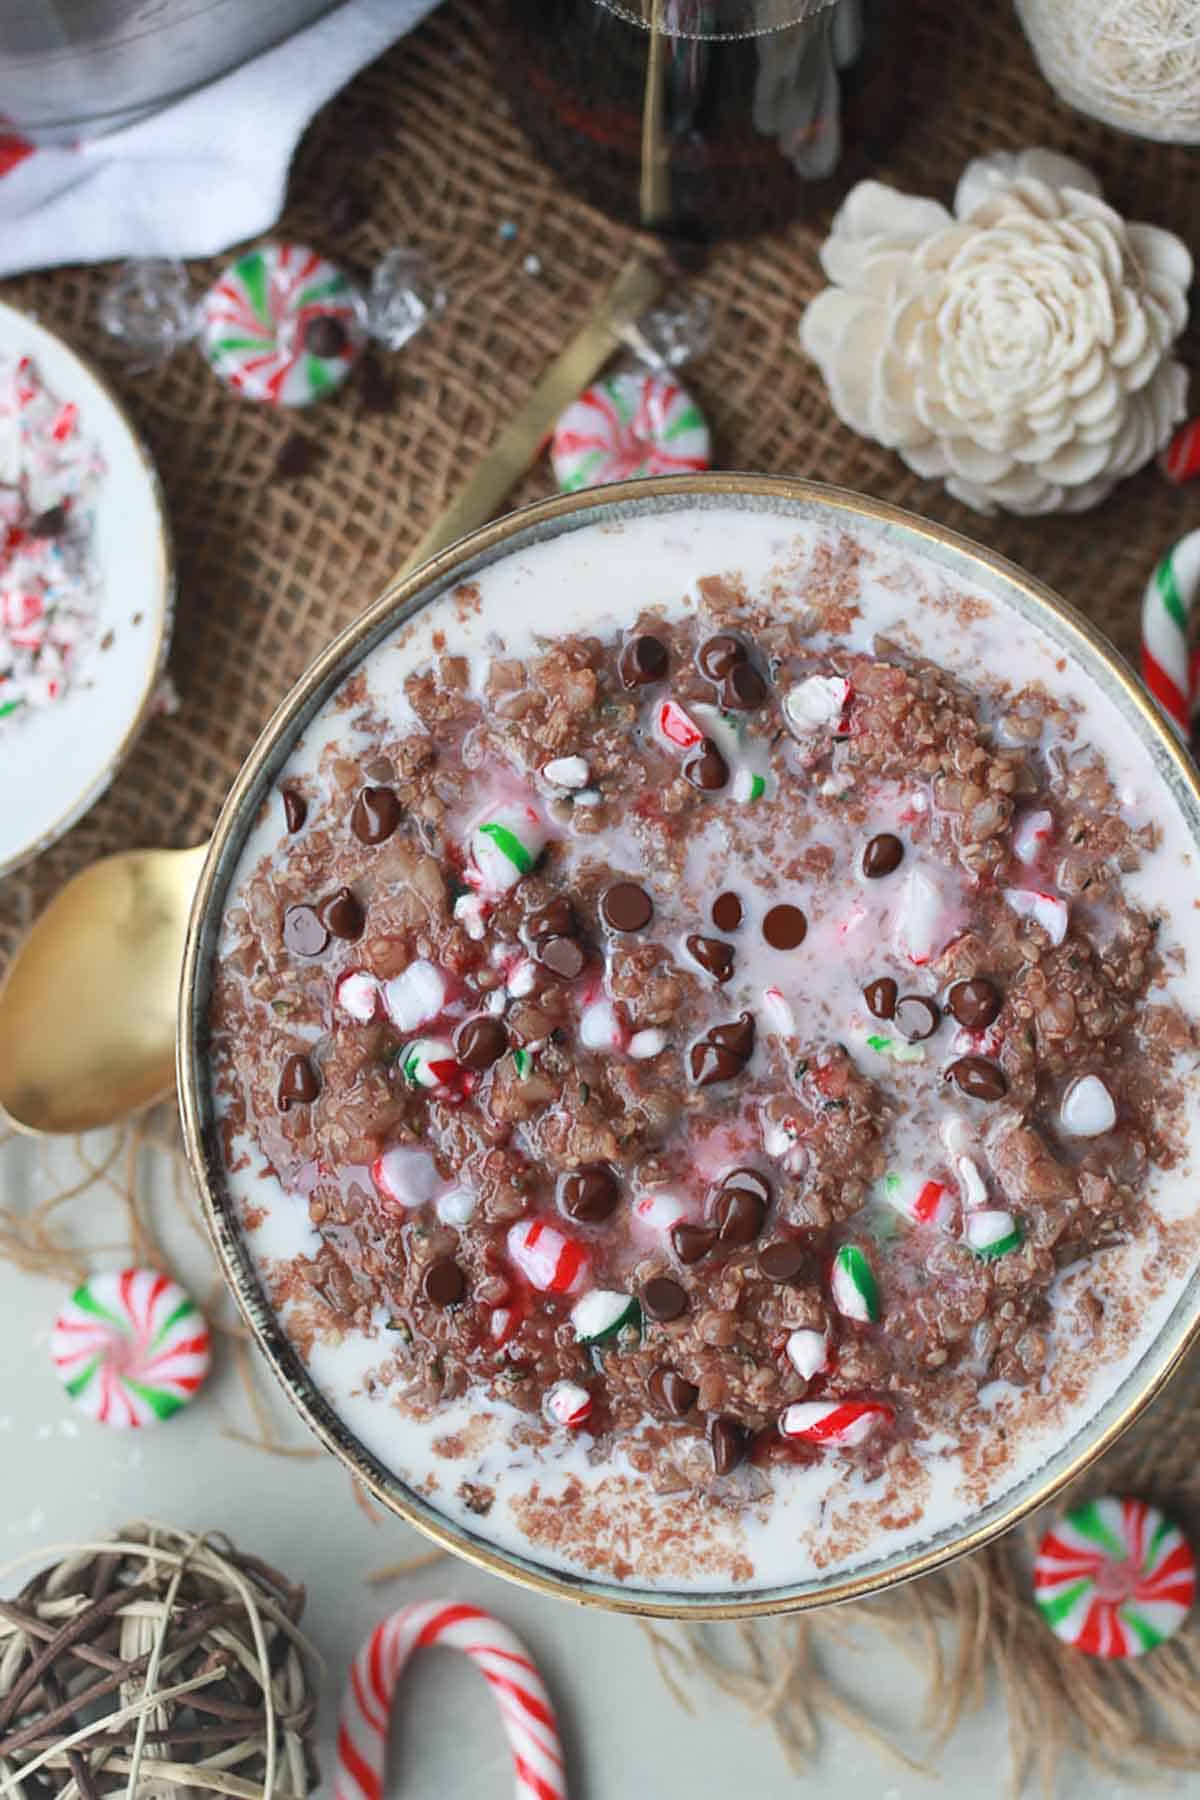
(672,1393)
(627,907)
(737,1036)
(325,336)
(749,1181)
(726,912)
(975,1003)
(723,1052)
(785,927)
(555,919)
(728,1442)
(643,660)
(444,1284)
(692,1242)
(563,956)
(917,1018)
(343,914)
(303,932)
(480,1042)
(663,1299)
(976,1076)
(880,997)
(377,812)
(295,808)
(718,655)
(49,524)
(743,689)
(741,1215)
(714,956)
(299,1083)
(589,1194)
(787,1260)
(707,769)
(882,855)
(296,457)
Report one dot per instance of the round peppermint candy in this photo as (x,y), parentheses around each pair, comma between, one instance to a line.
(629,424)
(282,325)
(130,1347)
(1114,1578)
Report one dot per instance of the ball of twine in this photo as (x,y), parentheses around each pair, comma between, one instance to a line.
(159,1664)
(1132,63)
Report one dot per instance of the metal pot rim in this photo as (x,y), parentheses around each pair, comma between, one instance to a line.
(399,602)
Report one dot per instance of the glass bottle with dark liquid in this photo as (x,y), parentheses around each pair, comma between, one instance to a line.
(707,118)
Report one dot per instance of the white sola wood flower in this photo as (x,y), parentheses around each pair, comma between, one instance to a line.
(1017,348)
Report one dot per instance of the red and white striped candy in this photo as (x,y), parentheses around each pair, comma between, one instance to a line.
(677,727)
(1114,1577)
(549,1261)
(834,1421)
(130,1347)
(526,1711)
(357,995)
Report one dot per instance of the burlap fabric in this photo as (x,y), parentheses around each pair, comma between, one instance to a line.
(267,571)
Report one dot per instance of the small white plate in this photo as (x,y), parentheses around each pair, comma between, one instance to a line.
(59,760)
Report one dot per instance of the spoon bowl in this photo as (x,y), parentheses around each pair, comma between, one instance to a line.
(87,1012)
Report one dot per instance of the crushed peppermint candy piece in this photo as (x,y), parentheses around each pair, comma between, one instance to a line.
(919,1199)
(601,1314)
(853,1286)
(548,1259)
(415,996)
(1046,910)
(896,1048)
(660,1212)
(819,701)
(808,1352)
(567,772)
(599,1026)
(568,1404)
(834,1421)
(644,1044)
(780,1016)
(457,1207)
(522,978)
(920,930)
(990,1233)
(471,911)
(430,1063)
(974,1192)
(357,994)
(405,1177)
(749,786)
(506,846)
(1087,1108)
(676,726)
(1031,834)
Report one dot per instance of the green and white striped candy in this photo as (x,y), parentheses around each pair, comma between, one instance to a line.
(854,1287)
(602,1313)
(130,1347)
(506,846)
(991,1233)
(1167,607)
(282,325)
(629,424)
(1114,1578)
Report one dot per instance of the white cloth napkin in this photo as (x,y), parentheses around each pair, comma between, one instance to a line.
(206,172)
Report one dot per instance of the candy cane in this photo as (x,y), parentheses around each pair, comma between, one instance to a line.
(525,1708)
(1169,666)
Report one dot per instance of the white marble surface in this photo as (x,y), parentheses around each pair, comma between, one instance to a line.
(63,1478)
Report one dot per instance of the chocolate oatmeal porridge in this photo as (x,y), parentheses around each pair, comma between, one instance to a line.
(702,1043)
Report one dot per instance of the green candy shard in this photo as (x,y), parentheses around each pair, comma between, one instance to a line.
(409,1068)
(1002,1246)
(1089,1522)
(758,787)
(851,1259)
(508,845)
(521,1062)
(8,706)
(882,1045)
(1055,1607)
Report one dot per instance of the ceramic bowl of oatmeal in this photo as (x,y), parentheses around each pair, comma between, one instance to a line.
(86,586)
(688,1044)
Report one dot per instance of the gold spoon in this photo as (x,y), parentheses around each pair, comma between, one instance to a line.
(87,1014)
